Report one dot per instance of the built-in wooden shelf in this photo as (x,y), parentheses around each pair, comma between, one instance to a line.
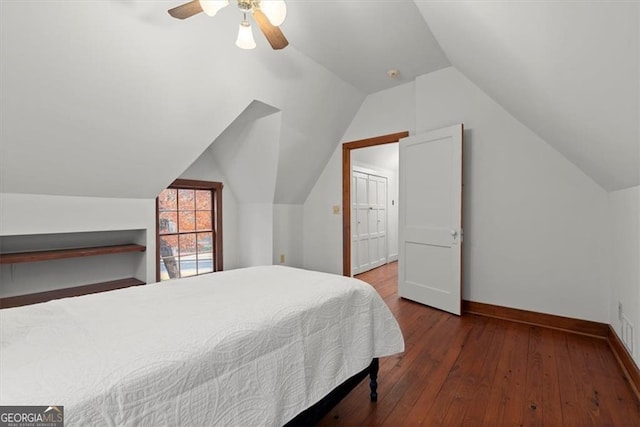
(18,257)
(38,297)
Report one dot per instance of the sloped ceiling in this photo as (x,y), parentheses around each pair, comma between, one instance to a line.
(361,40)
(566,69)
(250,167)
(116,99)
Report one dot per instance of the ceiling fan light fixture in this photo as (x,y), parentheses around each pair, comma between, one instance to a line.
(211,7)
(245,38)
(275,10)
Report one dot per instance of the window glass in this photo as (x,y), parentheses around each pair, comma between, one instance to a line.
(186,199)
(186,231)
(168,200)
(186,221)
(203,221)
(203,200)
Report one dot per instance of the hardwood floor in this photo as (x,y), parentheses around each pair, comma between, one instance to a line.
(473,370)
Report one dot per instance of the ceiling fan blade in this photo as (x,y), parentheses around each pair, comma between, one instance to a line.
(274,35)
(186,10)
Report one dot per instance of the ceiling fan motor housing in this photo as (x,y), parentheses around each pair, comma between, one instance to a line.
(247,5)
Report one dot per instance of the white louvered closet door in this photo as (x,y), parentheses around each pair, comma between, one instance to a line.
(369,221)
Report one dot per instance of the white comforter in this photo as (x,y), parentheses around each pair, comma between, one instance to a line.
(245,347)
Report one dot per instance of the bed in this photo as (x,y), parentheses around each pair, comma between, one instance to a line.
(253,346)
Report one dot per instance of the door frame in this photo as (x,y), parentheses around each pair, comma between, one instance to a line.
(346,188)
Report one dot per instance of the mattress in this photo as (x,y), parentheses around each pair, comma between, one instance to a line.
(244,347)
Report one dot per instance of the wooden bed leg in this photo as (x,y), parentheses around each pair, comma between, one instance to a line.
(373,374)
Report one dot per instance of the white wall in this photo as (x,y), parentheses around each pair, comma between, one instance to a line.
(248,227)
(255,234)
(322,238)
(247,154)
(287,234)
(245,158)
(384,112)
(27,214)
(625,271)
(534,234)
(534,223)
(205,168)
(381,113)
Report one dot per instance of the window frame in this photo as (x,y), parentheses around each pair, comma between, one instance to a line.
(216,220)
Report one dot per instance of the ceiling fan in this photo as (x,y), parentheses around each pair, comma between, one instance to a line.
(268,14)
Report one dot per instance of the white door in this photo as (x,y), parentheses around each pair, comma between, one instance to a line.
(430,218)
(360,222)
(377,220)
(369,221)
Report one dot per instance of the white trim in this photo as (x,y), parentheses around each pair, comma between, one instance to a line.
(370,169)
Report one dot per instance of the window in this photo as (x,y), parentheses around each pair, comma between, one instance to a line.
(189,229)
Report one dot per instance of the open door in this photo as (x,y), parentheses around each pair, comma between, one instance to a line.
(430,219)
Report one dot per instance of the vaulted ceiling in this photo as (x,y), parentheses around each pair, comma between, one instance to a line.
(569,70)
(116,99)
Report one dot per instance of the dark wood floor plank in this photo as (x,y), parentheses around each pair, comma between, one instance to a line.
(572,411)
(464,379)
(474,370)
(517,404)
(437,357)
(475,413)
(551,401)
(407,373)
(534,389)
(610,381)
(506,398)
(408,382)
(590,385)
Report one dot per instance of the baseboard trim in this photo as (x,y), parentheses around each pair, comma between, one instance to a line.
(578,326)
(629,367)
(568,324)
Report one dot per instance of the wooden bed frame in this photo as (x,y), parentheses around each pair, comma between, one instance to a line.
(308,417)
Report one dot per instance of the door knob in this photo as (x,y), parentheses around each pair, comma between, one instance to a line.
(454,233)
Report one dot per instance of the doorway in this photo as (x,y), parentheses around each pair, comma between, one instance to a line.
(346,189)
(430,226)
